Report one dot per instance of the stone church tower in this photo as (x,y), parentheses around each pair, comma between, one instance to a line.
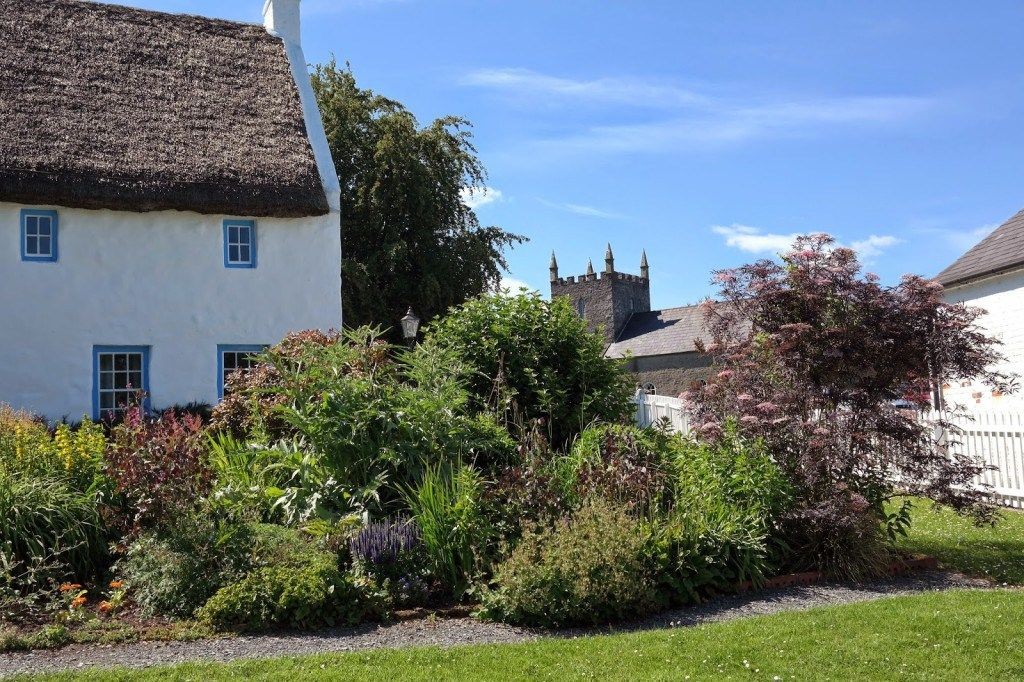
(605,301)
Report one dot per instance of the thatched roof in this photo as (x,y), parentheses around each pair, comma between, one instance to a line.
(103,106)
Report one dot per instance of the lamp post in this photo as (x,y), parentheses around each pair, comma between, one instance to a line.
(410,327)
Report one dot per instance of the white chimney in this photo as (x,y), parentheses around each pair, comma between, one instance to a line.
(281,18)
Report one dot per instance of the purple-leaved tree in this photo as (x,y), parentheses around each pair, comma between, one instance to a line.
(829,367)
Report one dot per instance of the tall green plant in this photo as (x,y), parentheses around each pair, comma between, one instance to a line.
(47,529)
(446,506)
(535,360)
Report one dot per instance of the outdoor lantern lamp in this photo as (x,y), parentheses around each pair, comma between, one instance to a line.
(410,327)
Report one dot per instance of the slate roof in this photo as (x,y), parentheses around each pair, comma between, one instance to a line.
(103,106)
(1002,250)
(661,332)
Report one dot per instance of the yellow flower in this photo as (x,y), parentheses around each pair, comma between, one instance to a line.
(62,439)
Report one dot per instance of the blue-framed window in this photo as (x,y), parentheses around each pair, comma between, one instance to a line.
(239,243)
(233,358)
(120,376)
(38,235)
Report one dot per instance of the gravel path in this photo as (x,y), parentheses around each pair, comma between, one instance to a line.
(459,631)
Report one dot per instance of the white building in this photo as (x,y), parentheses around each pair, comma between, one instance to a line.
(168,202)
(991,276)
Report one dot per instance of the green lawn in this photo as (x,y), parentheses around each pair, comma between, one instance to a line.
(938,636)
(996,552)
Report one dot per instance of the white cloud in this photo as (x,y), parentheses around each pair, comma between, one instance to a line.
(475,197)
(754,240)
(740,124)
(512,286)
(872,247)
(638,92)
(584,210)
(961,240)
(694,118)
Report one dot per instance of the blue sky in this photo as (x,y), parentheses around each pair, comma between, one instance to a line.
(707,132)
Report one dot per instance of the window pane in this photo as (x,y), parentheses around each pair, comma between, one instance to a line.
(233,254)
(106,381)
(32,246)
(106,362)
(243,235)
(233,237)
(31,225)
(243,254)
(120,362)
(44,246)
(135,361)
(106,401)
(230,361)
(121,380)
(135,380)
(44,226)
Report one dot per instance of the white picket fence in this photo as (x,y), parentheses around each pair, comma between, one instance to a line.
(662,409)
(995,438)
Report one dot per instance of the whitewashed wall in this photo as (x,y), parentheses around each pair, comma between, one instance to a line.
(153,279)
(1003,298)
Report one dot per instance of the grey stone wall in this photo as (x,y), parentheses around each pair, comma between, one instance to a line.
(671,374)
(609,299)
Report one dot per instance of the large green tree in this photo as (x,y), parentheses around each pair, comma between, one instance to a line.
(408,237)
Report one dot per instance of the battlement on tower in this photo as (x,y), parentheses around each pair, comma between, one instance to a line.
(606,300)
(621,276)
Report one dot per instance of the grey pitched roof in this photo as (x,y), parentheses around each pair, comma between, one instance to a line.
(660,332)
(103,106)
(1001,250)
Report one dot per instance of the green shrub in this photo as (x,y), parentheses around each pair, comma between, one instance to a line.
(303,594)
(447,508)
(177,570)
(631,466)
(48,531)
(726,525)
(589,569)
(535,359)
(366,413)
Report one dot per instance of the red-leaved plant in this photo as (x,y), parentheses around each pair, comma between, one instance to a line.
(828,366)
(158,467)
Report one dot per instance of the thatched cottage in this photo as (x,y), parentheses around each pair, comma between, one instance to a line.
(168,202)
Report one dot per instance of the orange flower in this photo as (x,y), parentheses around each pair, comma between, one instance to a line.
(78,601)
(106,607)
(117,584)
(68,587)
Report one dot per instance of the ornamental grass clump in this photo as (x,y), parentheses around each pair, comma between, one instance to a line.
(49,532)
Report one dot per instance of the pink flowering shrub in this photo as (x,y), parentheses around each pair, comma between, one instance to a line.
(813,357)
